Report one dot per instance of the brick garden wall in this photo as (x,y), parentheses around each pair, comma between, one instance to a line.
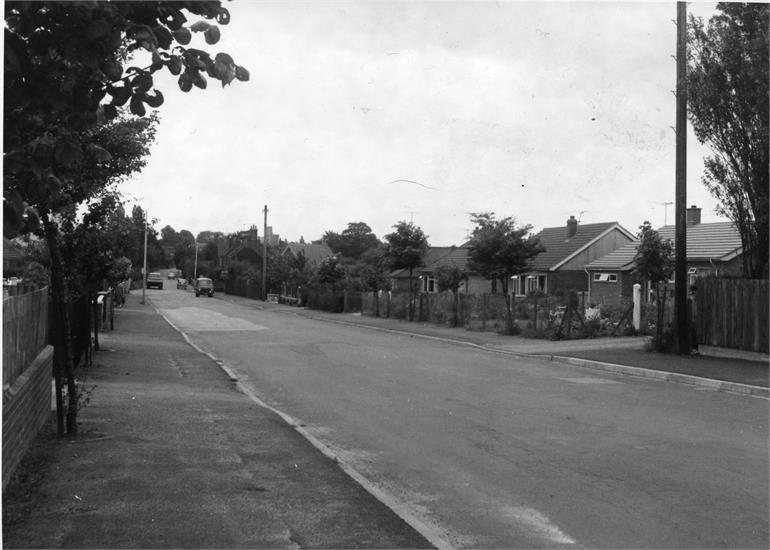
(26,407)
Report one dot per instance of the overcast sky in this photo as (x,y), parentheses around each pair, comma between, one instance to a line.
(533,110)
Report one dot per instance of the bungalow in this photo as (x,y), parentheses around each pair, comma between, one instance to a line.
(314,253)
(399,278)
(455,256)
(568,250)
(712,249)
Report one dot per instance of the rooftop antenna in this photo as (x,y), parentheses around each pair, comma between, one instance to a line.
(665,210)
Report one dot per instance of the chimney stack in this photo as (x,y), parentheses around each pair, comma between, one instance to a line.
(572,225)
(693,215)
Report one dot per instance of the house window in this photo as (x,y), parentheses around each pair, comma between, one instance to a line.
(606,277)
(536,282)
(428,284)
(518,285)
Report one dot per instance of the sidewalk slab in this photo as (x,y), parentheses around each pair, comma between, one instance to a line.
(171,455)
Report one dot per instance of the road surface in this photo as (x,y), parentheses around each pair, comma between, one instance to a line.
(490,451)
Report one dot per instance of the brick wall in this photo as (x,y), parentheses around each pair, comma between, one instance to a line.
(26,407)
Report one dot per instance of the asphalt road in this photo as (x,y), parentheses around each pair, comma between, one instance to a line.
(500,452)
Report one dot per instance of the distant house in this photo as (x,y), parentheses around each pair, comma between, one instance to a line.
(453,256)
(314,253)
(568,250)
(712,249)
(244,246)
(399,278)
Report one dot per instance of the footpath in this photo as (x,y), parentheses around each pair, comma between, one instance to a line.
(171,454)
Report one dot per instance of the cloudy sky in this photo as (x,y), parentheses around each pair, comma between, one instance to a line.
(427,111)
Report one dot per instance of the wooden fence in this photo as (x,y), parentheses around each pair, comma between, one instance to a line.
(25,332)
(732,313)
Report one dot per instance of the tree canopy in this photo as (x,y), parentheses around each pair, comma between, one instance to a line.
(654,260)
(500,249)
(406,246)
(728,107)
(65,76)
(353,242)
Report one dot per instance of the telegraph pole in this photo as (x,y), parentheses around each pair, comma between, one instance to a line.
(680,243)
(195,269)
(264,259)
(144,266)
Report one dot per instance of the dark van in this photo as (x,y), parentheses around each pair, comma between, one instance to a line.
(204,286)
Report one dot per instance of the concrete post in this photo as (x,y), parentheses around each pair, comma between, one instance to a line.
(637,307)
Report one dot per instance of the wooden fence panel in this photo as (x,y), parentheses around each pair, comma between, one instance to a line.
(25,332)
(733,313)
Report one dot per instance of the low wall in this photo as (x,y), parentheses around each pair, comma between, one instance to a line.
(26,407)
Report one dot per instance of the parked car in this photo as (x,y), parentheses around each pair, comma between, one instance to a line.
(155,280)
(204,286)
(181,283)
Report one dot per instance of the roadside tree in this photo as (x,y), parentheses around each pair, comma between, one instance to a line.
(64,78)
(728,82)
(654,264)
(450,277)
(405,248)
(500,249)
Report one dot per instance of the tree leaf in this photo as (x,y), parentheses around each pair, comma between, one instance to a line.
(163,37)
(182,35)
(112,69)
(212,35)
(185,82)
(120,94)
(223,17)
(200,81)
(175,65)
(142,82)
(199,26)
(137,107)
(100,154)
(154,99)
(241,73)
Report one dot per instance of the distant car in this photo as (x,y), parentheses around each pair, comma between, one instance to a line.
(204,286)
(181,283)
(172,274)
(155,280)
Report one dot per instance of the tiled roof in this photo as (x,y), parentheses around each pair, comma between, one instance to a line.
(314,253)
(558,247)
(720,240)
(433,254)
(716,241)
(621,259)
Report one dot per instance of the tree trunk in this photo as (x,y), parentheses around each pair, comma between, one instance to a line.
(60,305)
(456,305)
(410,312)
(94,313)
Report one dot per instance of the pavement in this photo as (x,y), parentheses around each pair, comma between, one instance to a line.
(171,453)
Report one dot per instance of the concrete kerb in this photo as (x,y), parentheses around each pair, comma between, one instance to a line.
(716,385)
(431,534)
(710,383)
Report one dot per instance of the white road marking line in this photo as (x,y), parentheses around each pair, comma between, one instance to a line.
(540,524)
